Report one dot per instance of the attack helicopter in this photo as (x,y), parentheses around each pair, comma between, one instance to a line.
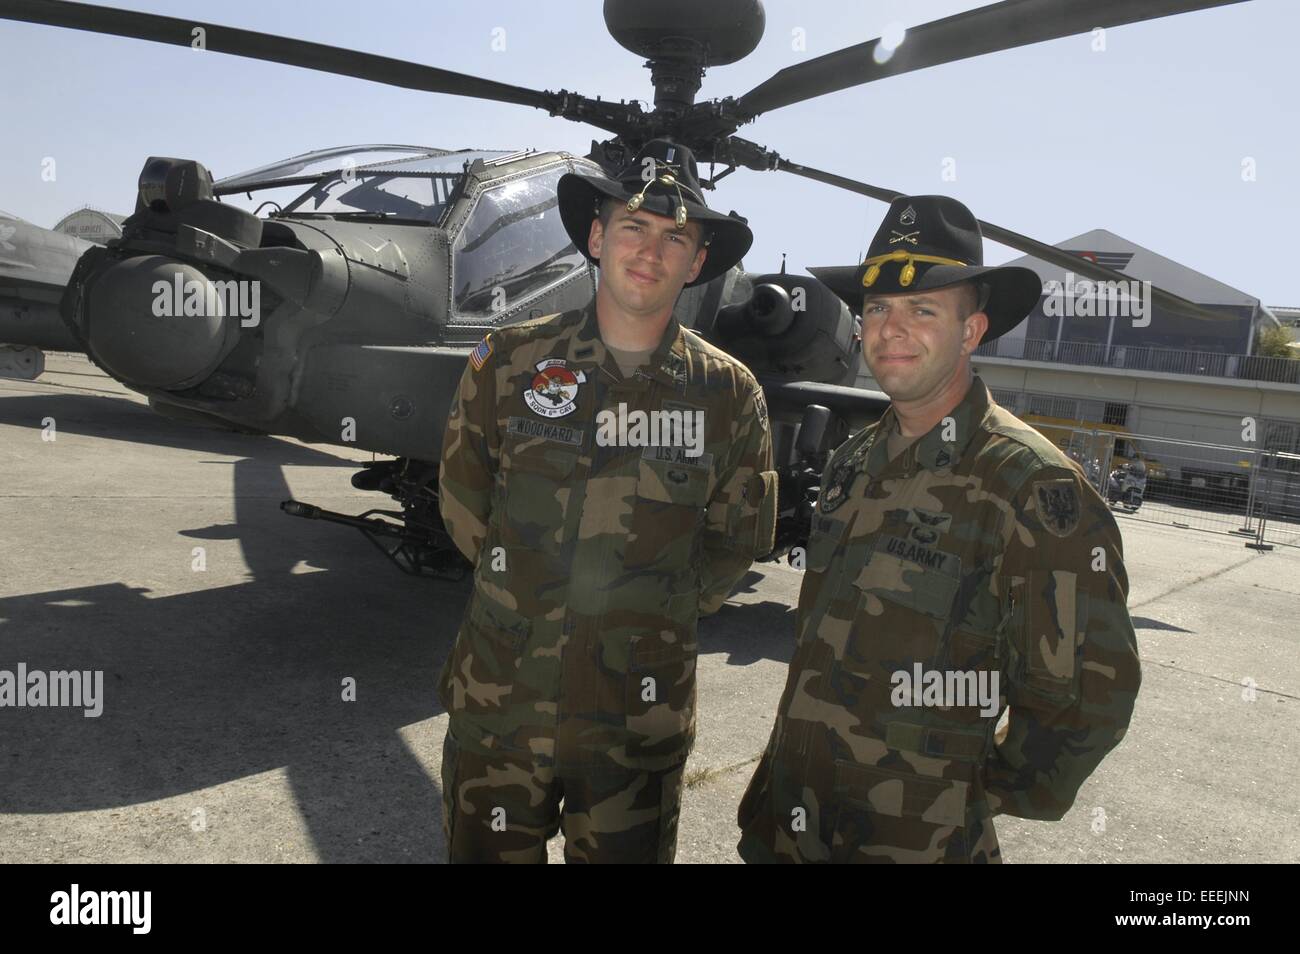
(35,265)
(372,285)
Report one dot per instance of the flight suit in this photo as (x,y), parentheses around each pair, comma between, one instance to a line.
(573,674)
(978,557)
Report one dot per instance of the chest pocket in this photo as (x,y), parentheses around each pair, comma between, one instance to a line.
(822,541)
(536,485)
(821,592)
(921,579)
(667,515)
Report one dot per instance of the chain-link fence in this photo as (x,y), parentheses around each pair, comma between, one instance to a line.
(1252,493)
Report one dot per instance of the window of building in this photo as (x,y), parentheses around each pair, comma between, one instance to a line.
(1008,399)
(1048,405)
(1091,412)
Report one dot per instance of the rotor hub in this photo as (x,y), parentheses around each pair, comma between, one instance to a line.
(680,39)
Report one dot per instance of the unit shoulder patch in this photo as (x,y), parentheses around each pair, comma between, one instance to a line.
(1059,508)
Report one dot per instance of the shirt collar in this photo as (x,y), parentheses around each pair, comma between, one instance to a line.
(933,450)
(666,364)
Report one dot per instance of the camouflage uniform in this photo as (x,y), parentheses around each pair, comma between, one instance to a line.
(573,674)
(973,550)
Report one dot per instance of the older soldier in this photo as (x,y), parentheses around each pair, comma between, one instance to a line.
(960,568)
(609,474)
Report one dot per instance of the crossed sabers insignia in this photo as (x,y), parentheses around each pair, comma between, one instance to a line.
(900,237)
(672,168)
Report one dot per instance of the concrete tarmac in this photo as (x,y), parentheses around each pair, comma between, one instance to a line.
(227,631)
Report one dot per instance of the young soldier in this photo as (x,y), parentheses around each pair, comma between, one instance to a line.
(960,568)
(609,474)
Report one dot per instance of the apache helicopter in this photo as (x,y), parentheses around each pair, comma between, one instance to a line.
(372,286)
(35,264)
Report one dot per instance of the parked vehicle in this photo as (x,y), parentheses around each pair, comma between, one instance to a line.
(1126,485)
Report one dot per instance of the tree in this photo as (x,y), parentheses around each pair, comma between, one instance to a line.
(1274,342)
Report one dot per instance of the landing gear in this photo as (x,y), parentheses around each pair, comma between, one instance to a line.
(414,537)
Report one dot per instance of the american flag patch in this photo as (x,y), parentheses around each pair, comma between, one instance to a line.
(480,353)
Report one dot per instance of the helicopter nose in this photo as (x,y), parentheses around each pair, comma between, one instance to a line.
(159,323)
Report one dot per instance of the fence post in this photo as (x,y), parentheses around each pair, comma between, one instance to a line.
(1259,543)
(1250,493)
(1104,474)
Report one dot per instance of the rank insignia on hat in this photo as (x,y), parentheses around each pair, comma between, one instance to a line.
(908,216)
(1058,505)
(480,354)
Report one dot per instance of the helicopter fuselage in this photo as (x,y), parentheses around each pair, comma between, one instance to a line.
(363,322)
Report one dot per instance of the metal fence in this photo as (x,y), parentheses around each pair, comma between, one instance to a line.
(1166,360)
(1250,493)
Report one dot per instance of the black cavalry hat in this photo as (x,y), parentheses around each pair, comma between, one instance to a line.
(661,178)
(928,242)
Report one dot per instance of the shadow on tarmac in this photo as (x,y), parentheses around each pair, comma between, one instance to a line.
(749,632)
(1146,622)
(207,687)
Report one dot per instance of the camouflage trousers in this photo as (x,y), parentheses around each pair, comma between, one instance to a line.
(502,807)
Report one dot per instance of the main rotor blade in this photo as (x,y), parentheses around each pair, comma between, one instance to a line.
(1000,26)
(1039,250)
(274,49)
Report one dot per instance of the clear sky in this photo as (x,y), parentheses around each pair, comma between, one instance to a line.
(1146,138)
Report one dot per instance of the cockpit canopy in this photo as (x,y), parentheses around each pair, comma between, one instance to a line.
(507,250)
(412,183)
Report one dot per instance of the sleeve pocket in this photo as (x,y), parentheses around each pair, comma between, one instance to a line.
(1051,635)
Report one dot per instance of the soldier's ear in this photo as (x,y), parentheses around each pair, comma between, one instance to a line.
(700,256)
(595,238)
(973,329)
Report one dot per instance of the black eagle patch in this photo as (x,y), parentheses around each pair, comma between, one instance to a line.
(1059,508)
